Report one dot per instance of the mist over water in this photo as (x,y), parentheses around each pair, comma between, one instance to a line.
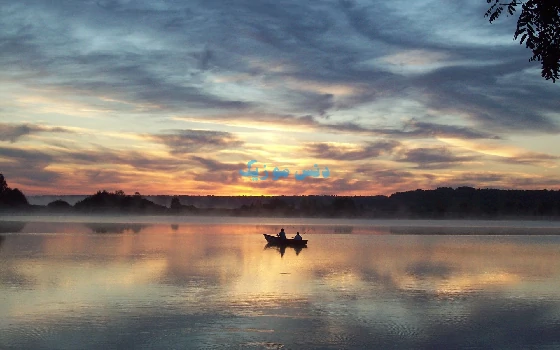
(93,283)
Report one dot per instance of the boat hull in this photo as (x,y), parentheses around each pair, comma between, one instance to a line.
(273,240)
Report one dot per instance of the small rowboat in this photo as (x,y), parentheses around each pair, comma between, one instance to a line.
(273,240)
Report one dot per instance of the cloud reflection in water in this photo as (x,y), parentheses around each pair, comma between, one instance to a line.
(215,286)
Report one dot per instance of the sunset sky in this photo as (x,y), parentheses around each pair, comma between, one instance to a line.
(177,96)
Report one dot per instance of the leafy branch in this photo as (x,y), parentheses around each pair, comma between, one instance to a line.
(538,27)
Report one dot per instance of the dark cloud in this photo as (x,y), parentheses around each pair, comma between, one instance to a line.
(25,155)
(383,176)
(158,55)
(27,167)
(472,179)
(214,165)
(12,132)
(193,141)
(531,158)
(493,111)
(370,150)
(218,178)
(424,129)
(433,158)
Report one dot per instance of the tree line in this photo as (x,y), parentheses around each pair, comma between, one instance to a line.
(441,203)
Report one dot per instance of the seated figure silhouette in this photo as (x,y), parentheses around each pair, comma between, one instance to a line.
(282,234)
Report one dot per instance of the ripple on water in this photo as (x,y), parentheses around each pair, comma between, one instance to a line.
(262,345)
(342,339)
(402,330)
(21,335)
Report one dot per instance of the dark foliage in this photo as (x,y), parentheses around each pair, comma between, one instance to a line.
(118,202)
(467,202)
(11,198)
(442,203)
(177,208)
(59,204)
(175,203)
(3,184)
(539,28)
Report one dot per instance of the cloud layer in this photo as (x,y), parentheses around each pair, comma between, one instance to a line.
(141,94)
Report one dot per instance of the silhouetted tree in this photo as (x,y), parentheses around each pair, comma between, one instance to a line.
(175,203)
(59,204)
(11,197)
(539,27)
(3,184)
(117,201)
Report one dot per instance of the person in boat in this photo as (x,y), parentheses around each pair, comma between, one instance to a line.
(297,237)
(281,234)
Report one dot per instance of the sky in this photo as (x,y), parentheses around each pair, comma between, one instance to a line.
(179,96)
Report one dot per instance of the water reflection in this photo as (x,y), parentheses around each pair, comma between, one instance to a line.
(115,227)
(11,226)
(212,286)
(282,248)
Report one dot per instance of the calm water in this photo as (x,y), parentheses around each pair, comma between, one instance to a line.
(212,283)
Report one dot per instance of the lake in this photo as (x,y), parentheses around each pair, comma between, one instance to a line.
(213,283)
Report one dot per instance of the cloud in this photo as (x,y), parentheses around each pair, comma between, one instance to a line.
(531,158)
(29,156)
(370,150)
(495,111)
(13,132)
(27,167)
(217,172)
(74,169)
(386,177)
(416,128)
(193,141)
(214,165)
(433,158)
(395,71)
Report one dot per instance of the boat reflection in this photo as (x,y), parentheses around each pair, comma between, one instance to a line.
(282,248)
